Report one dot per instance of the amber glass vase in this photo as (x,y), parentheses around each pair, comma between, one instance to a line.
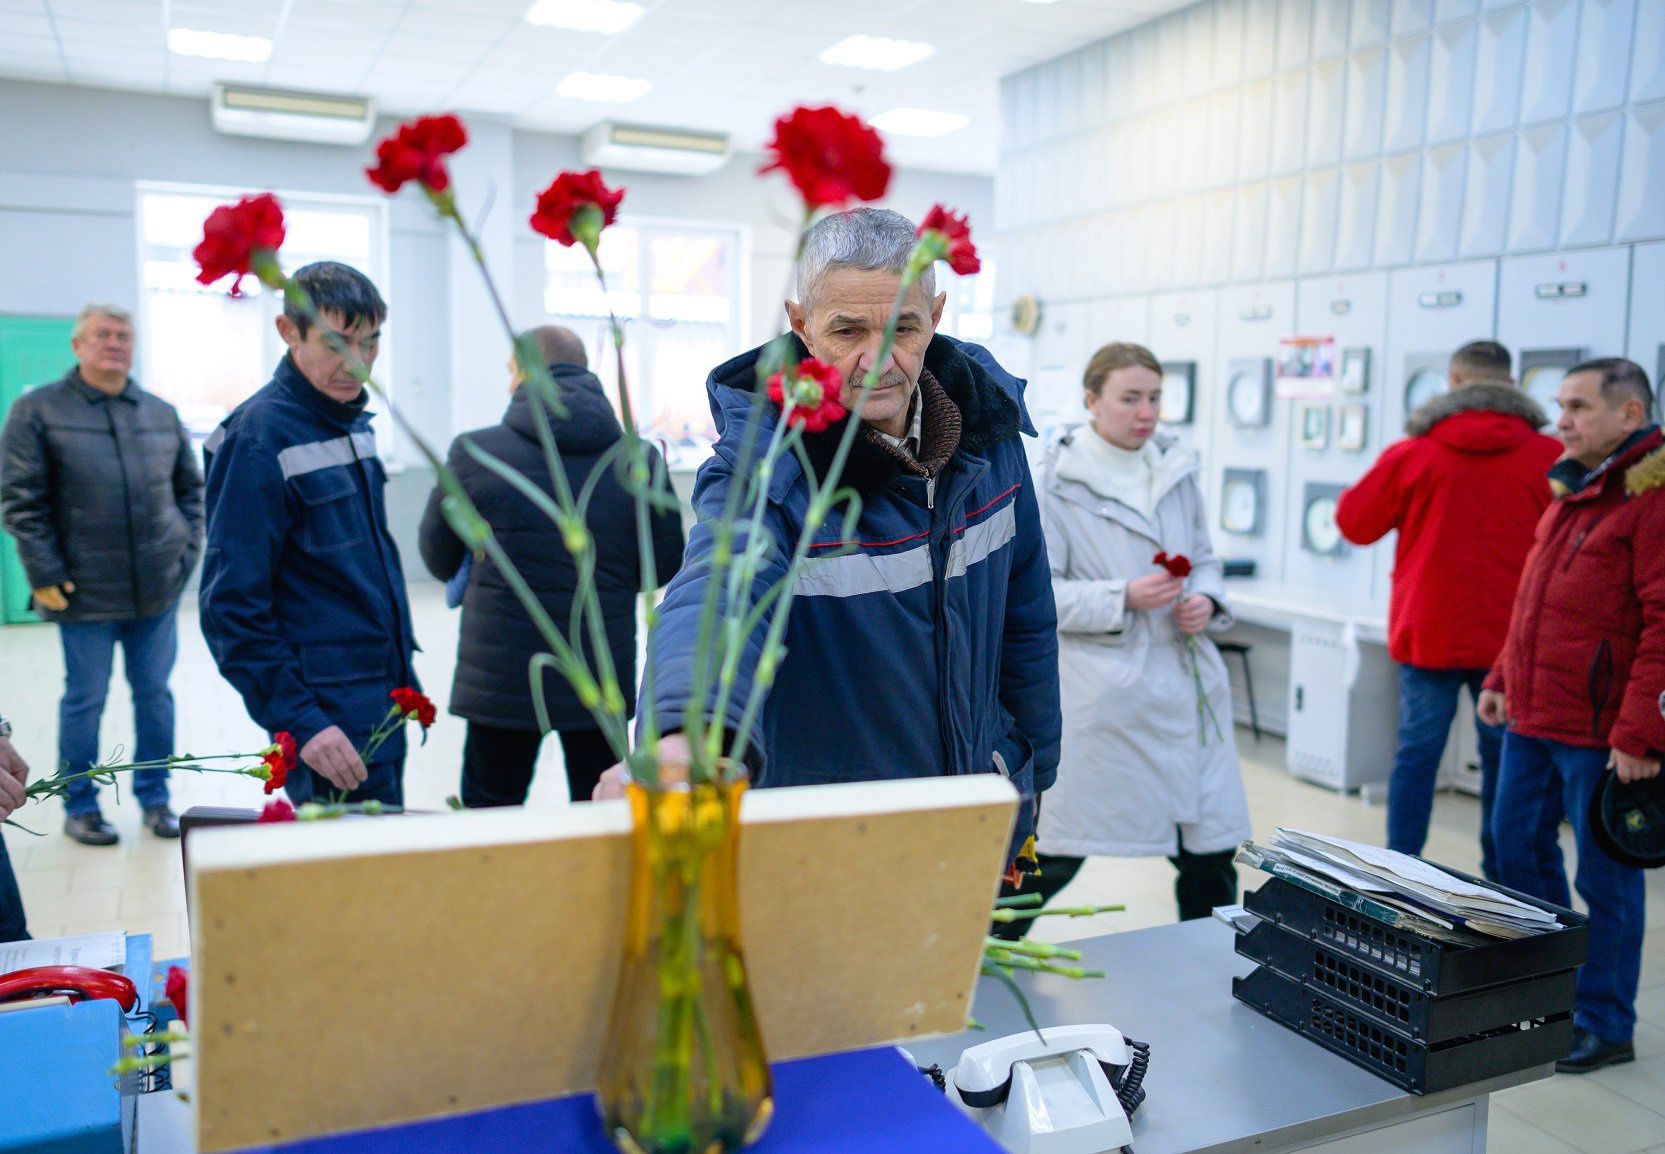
(683,1069)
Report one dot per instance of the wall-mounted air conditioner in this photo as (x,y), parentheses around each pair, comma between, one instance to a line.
(643,149)
(277,114)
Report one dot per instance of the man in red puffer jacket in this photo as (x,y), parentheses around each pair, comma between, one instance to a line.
(1464,489)
(1578,682)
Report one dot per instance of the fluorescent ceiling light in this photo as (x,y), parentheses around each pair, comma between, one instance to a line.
(876,52)
(918,122)
(219,45)
(603,16)
(595,86)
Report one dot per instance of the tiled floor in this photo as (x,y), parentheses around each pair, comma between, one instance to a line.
(138,886)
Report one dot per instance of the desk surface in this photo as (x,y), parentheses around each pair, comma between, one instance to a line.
(1222,1077)
(1278,606)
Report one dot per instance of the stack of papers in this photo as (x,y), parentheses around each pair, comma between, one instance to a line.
(1396,888)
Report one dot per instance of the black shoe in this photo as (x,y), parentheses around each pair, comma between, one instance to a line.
(159,820)
(91,829)
(1592,1053)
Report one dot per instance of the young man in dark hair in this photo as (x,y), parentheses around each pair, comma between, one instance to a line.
(303,597)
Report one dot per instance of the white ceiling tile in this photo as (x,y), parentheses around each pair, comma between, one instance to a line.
(30,46)
(347,14)
(16,24)
(398,70)
(138,58)
(98,32)
(460,27)
(38,7)
(110,11)
(509,8)
(32,68)
(202,9)
(433,48)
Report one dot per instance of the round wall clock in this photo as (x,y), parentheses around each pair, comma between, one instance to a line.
(1240,504)
(1424,387)
(1246,399)
(1318,528)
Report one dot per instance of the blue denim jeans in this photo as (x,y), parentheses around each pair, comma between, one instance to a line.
(148,647)
(13,925)
(1541,782)
(1427,704)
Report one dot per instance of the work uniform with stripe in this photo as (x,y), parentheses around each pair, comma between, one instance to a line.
(303,598)
(923,639)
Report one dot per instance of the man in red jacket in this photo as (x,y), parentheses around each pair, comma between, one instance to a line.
(1464,489)
(1578,682)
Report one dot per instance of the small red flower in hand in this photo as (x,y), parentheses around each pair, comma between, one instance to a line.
(1179,564)
(240,240)
(278,809)
(831,158)
(947,236)
(414,706)
(417,152)
(816,387)
(279,759)
(177,989)
(575,208)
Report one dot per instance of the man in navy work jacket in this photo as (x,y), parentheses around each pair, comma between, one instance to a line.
(931,646)
(303,598)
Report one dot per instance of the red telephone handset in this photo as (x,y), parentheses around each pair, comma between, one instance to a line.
(77,982)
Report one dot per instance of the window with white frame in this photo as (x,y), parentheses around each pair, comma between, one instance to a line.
(969,313)
(677,288)
(205,351)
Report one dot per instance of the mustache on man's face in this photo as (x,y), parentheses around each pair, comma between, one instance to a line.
(894,377)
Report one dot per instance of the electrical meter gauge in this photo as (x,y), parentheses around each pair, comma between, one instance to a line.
(1424,386)
(1319,532)
(1242,496)
(1541,373)
(1249,393)
(1179,390)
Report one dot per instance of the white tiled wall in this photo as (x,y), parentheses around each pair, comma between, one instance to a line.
(1238,140)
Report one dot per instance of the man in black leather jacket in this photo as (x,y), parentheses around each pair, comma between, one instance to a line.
(99,484)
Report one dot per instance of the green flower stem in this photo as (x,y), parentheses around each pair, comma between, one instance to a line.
(1008,914)
(57,784)
(1016,962)
(1032,949)
(1017,901)
(1205,708)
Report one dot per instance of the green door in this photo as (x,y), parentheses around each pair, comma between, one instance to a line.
(33,351)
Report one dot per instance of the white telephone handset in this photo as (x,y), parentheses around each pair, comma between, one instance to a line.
(1071,1091)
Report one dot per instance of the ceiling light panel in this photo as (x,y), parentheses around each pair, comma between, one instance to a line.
(603,16)
(597,86)
(918,122)
(219,45)
(878,52)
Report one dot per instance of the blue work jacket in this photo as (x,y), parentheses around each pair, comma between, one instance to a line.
(923,638)
(303,598)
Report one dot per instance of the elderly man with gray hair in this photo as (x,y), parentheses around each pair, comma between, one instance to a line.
(925,643)
(100,486)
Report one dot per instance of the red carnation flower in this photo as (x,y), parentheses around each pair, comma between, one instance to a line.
(949,236)
(237,237)
(816,387)
(417,152)
(414,705)
(575,208)
(278,809)
(177,990)
(1179,564)
(831,158)
(279,758)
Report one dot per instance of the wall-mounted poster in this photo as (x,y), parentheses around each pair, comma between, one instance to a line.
(1306,368)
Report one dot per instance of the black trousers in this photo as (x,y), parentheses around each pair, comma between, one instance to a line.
(1205,880)
(498,763)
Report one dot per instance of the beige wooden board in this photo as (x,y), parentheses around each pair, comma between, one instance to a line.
(355,973)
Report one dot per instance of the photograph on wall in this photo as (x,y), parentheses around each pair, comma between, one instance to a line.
(1306,368)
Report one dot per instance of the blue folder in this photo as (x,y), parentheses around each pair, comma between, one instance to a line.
(871,1101)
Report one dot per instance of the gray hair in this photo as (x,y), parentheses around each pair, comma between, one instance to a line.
(91,311)
(868,239)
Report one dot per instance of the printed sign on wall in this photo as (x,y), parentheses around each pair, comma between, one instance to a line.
(1306,368)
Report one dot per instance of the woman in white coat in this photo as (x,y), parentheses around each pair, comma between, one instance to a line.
(1146,769)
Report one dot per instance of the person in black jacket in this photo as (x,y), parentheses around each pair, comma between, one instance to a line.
(100,486)
(492,689)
